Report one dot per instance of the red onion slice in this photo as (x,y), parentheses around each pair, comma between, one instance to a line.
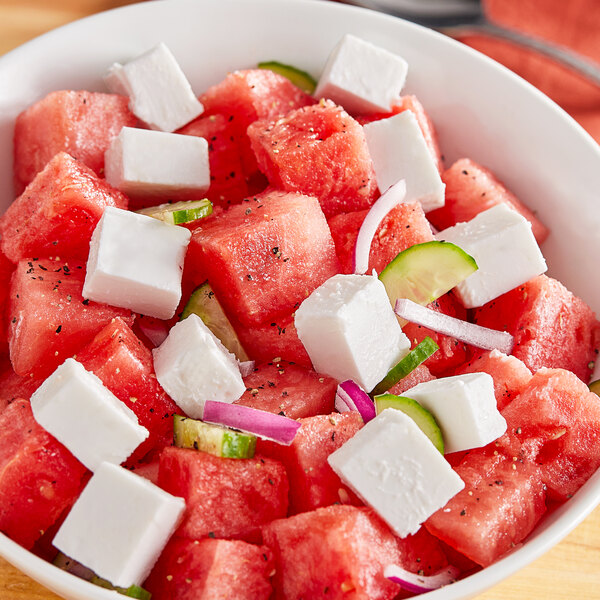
(246,367)
(476,335)
(264,424)
(350,396)
(418,584)
(156,331)
(393,196)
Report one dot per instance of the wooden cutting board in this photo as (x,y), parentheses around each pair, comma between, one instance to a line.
(570,571)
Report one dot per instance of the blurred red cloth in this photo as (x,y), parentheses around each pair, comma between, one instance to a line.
(572,23)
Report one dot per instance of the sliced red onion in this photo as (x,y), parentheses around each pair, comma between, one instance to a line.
(418,584)
(476,335)
(266,425)
(350,396)
(246,367)
(393,196)
(156,331)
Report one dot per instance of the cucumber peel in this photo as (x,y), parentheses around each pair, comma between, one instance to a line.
(421,416)
(133,591)
(204,303)
(424,272)
(178,213)
(595,387)
(410,362)
(299,78)
(214,439)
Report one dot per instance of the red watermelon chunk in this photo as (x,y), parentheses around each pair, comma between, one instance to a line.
(413,104)
(57,213)
(78,122)
(471,189)
(313,483)
(452,352)
(39,477)
(126,368)
(49,319)
(551,327)
(510,375)
(499,506)
(211,570)
(340,552)
(283,388)
(265,256)
(277,338)
(403,227)
(6,270)
(320,151)
(225,497)
(419,375)
(555,421)
(13,386)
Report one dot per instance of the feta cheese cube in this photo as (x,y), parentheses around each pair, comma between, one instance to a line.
(399,151)
(119,525)
(74,406)
(193,366)
(136,262)
(501,242)
(464,407)
(349,330)
(393,466)
(362,77)
(159,93)
(140,162)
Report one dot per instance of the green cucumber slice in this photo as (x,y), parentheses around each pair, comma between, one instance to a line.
(299,78)
(214,439)
(410,362)
(204,303)
(179,212)
(595,387)
(424,272)
(421,416)
(133,591)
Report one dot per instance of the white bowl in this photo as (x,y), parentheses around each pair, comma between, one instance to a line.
(481,110)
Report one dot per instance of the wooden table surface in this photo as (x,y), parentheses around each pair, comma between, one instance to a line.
(569,571)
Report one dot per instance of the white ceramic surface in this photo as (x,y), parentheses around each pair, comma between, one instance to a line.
(480,109)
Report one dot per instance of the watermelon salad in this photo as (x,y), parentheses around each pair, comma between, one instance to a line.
(263,343)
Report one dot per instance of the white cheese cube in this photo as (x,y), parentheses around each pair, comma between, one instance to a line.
(501,242)
(136,262)
(362,77)
(393,466)
(464,407)
(159,93)
(119,525)
(193,366)
(155,164)
(349,330)
(74,406)
(399,151)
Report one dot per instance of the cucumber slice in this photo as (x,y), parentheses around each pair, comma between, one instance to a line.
(595,387)
(299,78)
(214,439)
(421,416)
(179,212)
(410,362)
(424,272)
(204,303)
(133,591)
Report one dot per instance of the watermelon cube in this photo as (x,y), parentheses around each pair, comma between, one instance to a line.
(510,375)
(320,151)
(551,327)
(403,227)
(419,375)
(259,258)
(78,122)
(211,569)
(500,505)
(13,386)
(6,270)
(49,320)
(125,367)
(288,389)
(555,421)
(57,213)
(471,189)
(340,552)
(225,497)
(39,477)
